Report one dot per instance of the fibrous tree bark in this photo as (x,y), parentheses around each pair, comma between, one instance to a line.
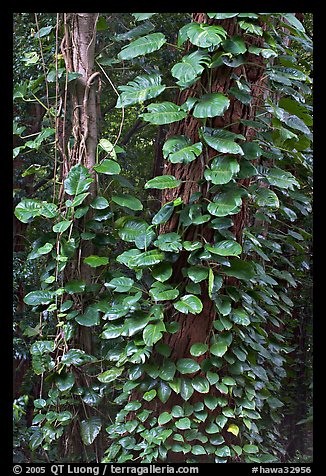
(197,328)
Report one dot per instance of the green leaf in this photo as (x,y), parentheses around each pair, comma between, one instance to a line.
(78,180)
(41,347)
(167,370)
(108,147)
(148,396)
(222,16)
(250,449)
(108,167)
(89,318)
(222,170)
(198,349)
(197,273)
(140,89)
(189,304)
(128,201)
(191,67)
(62,226)
(211,402)
(198,450)
(65,382)
(96,261)
(281,178)
(211,105)
(179,149)
(264,197)
(200,384)
(223,304)
(223,452)
(162,182)
(142,16)
(234,45)
(219,349)
(251,28)
(76,286)
(111,331)
(227,203)
(42,250)
(240,269)
(142,46)
(28,209)
(163,392)
(153,333)
(222,141)
(205,36)
(139,30)
(36,298)
(89,429)
(164,418)
(121,284)
(239,316)
(162,272)
(169,242)
(100,203)
(110,375)
(148,258)
(187,366)
(163,113)
(186,389)
(183,423)
(163,215)
(251,150)
(225,248)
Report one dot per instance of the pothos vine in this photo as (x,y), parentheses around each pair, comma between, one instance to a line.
(227,385)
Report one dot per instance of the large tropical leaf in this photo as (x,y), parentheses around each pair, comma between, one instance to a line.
(211,105)
(78,180)
(142,46)
(140,89)
(190,67)
(89,429)
(163,181)
(222,141)
(226,203)
(163,113)
(179,149)
(205,36)
(222,170)
(139,30)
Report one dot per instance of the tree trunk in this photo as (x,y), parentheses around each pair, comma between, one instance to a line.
(78,48)
(197,328)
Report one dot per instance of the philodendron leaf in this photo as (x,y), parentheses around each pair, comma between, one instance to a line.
(179,149)
(163,181)
(225,248)
(222,141)
(205,36)
(89,429)
(61,226)
(163,113)
(190,67)
(187,366)
(198,349)
(78,180)
(126,200)
(108,167)
(189,304)
(222,170)
(211,105)
(140,89)
(36,298)
(96,261)
(142,46)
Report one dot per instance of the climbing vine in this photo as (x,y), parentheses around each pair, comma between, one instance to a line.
(221,255)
